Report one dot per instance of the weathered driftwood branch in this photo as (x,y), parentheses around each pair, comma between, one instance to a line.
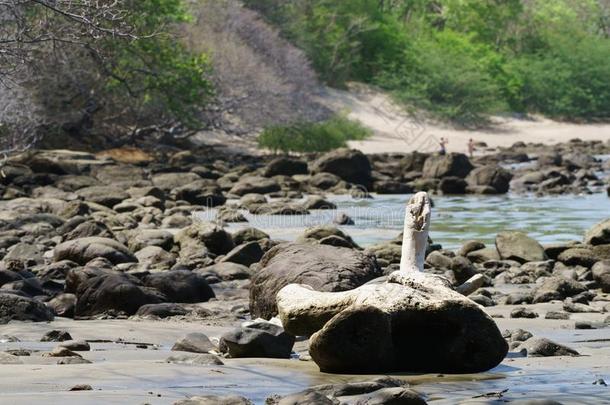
(413,322)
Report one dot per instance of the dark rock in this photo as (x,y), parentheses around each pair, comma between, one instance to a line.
(523,312)
(205,235)
(200,192)
(63,305)
(323,267)
(227,271)
(108,196)
(246,254)
(453,164)
(599,234)
(170,181)
(349,165)
(316,202)
(85,249)
(18,308)
(260,339)
(557,315)
(112,292)
(162,310)
(324,181)
(558,288)
(248,235)
(391,187)
(495,177)
(343,219)
(578,257)
(470,246)
(452,185)
(541,347)
(194,343)
(285,166)
(254,184)
(180,286)
(56,336)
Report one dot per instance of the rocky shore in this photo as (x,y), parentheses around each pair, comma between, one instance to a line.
(106,271)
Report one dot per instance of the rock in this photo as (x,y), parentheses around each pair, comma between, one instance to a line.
(470,246)
(578,257)
(396,395)
(541,347)
(439,261)
(170,181)
(246,254)
(493,176)
(180,286)
(18,308)
(73,360)
(518,246)
(558,288)
(391,187)
(249,235)
(601,274)
(162,310)
(483,255)
(523,312)
(254,184)
(320,232)
(453,164)
(324,181)
(214,400)
(201,192)
(150,237)
(227,271)
(575,307)
(108,196)
(194,343)
(279,208)
(56,336)
(316,202)
(61,352)
(308,398)
(598,234)
(259,339)
(343,219)
(81,387)
(63,305)
(204,359)
(112,292)
(349,165)
(414,322)
(557,315)
(76,345)
(154,257)
(285,166)
(83,250)
(452,185)
(323,267)
(211,236)
(230,215)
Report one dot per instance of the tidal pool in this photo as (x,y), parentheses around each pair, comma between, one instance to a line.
(455,218)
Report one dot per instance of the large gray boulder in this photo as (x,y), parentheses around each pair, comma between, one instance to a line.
(83,250)
(599,234)
(260,339)
(347,164)
(323,267)
(453,164)
(493,176)
(512,245)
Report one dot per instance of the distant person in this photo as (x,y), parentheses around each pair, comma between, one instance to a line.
(443,144)
(471,147)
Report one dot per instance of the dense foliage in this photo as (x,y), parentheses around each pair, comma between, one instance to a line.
(312,137)
(461,59)
(114,69)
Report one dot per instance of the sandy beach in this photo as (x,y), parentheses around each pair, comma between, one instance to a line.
(394,130)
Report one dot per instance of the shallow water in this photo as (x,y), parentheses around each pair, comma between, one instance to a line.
(455,218)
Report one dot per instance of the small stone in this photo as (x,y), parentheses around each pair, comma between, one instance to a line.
(600,381)
(76,345)
(583,325)
(73,360)
(81,387)
(557,315)
(61,352)
(523,312)
(206,359)
(195,343)
(56,336)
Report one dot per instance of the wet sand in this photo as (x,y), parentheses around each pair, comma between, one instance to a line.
(125,373)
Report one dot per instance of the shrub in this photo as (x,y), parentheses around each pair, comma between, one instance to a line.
(312,137)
